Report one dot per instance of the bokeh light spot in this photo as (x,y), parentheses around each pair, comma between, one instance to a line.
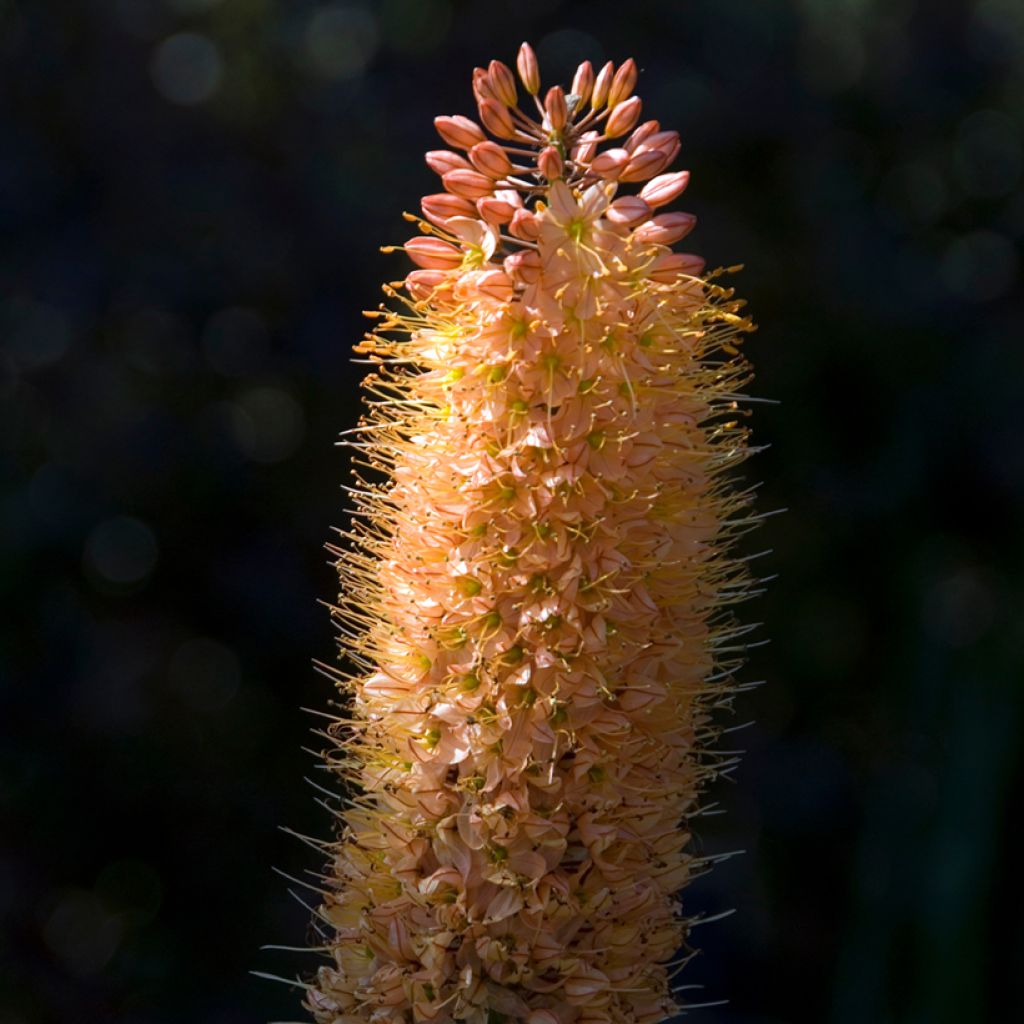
(340,41)
(916,192)
(987,153)
(81,933)
(204,673)
(156,341)
(267,424)
(34,334)
(121,552)
(997,29)
(960,607)
(187,68)
(980,266)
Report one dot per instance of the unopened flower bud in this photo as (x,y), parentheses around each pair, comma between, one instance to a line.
(585,149)
(433,253)
(550,164)
(482,85)
(469,184)
(643,165)
(623,83)
(556,108)
(543,1017)
(439,207)
(656,140)
(602,84)
(524,225)
(497,120)
(666,187)
(459,131)
(422,283)
(627,211)
(496,209)
(529,74)
(490,159)
(503,83)
(666,228)
(623,117)
(441,161)
(671,151)
(583,82)
(641,134)
(610,164)
(667,269)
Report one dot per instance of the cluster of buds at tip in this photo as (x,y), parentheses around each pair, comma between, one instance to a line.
(538,587)
(561,141)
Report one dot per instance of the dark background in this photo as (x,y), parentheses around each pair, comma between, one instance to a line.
(192,196)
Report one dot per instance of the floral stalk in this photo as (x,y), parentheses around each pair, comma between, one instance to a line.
(538,592)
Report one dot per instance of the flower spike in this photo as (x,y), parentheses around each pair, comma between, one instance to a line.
(537,586)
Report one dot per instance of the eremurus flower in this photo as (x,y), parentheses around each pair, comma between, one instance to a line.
(538,595)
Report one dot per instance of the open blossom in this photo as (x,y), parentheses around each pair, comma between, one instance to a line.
(537,597)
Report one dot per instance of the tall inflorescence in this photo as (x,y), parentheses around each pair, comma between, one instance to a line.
(537,593)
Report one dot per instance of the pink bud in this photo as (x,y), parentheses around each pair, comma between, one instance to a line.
(663,163)
(524,225)
(667,142)
(490,159)
(495,284)
(442,205)
(526,63)
(627,210)
(643,165)
(550,164)
(503,83)
(481,85)
(523,266)
(671,152)
(459,131)
(543,1017)
(601,86)
(584,150)
(421,283)
(441,161)
(469,184)
(667,269)
(666,228)
(433,253)
(583,82)
(556,108)
(641,134)
(666,187)
(623,83)
(497,119)
(610,164)
(495,210)
(657,140)
(623,117)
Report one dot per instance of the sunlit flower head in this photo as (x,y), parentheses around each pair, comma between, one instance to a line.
(537,591)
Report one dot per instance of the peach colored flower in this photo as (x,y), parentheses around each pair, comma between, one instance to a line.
(537,592)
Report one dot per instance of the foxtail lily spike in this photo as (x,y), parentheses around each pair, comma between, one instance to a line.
(538,585)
